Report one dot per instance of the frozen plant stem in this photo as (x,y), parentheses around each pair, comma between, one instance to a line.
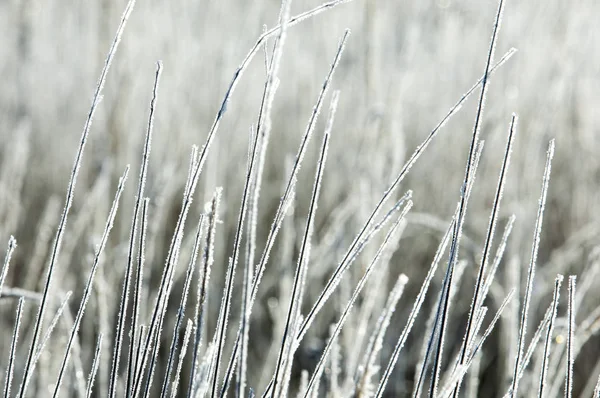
(499,255)
(263,132)
(455,245)
(186,339)
(533,344)
(446,293)
(94,370)
(88,287)
(13,349)
(368,367)
(203,280)
(12,245)
(570,337)
(47,336)
(479,284)
(531,271)
(69,198)
(153,336)
(222,326)
(181,311)
(461,370)
(120,330)
(296,298)
(134,354)
(555,297)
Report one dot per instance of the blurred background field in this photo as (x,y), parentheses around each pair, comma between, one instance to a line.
(406,63)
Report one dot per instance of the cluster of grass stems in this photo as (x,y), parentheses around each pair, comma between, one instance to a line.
(200,362)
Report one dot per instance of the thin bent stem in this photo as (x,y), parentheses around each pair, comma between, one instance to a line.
(222,326)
